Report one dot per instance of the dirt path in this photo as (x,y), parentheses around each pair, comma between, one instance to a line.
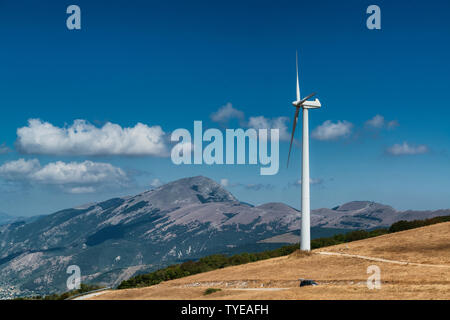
(382,260)
(90,295)
(258,289)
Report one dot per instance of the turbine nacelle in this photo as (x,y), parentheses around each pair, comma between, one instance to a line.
(304,103)
(315,104)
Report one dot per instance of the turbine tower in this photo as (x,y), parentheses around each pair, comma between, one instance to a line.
(304,104)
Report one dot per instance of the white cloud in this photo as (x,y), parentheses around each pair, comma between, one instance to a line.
(86,172)
(376,122)
(332,131)
(83,138)
(312,181)
(257,186)
(224,182)
(406,149)
(75,177)
(392,124)
(280,123)
(4,149)
(80,190)
(379,122)
(19,169)
(155,183)
(226,113)
(249,186)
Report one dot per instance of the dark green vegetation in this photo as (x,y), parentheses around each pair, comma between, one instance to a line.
(406,225)
(347,237)
(210,291)
(66,295)
(219,261)
(208,263)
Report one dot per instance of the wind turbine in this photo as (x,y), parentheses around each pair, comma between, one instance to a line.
(304,104)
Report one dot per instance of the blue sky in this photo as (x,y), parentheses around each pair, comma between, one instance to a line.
(169,63)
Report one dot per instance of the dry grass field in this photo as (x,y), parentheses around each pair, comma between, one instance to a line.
(415,264)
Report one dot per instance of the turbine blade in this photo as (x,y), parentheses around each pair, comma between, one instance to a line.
(292,135)
(296,66)
(304,99)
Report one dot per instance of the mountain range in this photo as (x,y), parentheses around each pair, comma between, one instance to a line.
(5,218)
(186,219)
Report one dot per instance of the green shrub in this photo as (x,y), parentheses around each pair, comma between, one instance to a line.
(63,296)
(210,291)
(406,225)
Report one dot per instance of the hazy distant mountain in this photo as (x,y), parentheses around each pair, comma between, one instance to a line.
(185,219)
(5,218)
(357,215)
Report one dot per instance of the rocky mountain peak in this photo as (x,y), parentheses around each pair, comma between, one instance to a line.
(368,206)
(354,205)
(182,192)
